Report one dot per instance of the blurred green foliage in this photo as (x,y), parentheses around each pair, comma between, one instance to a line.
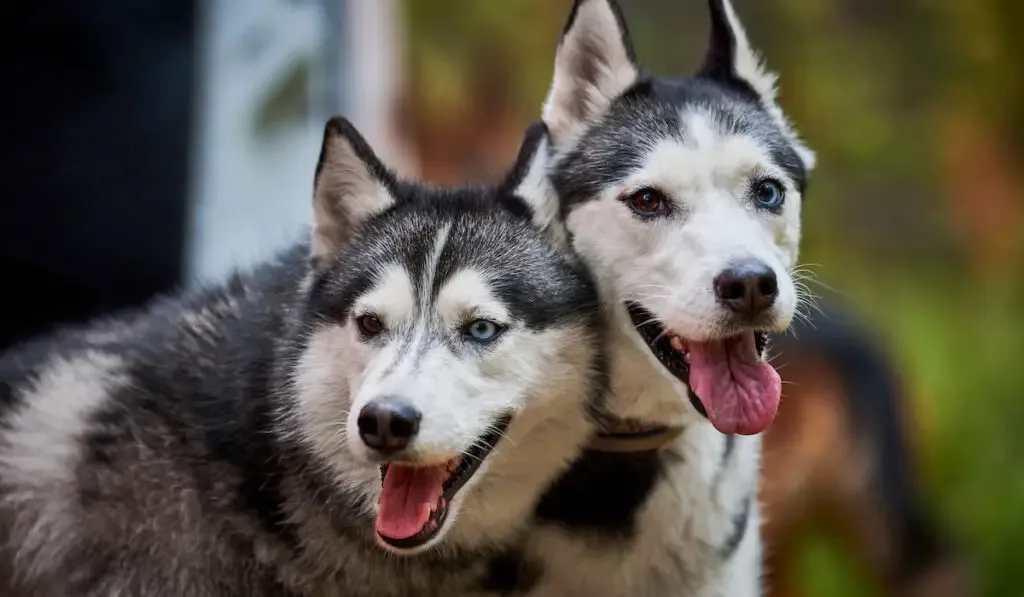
(915,213)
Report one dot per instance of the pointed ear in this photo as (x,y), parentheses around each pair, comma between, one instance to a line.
(528,181)
(593,65)
(730,57)
(351,185)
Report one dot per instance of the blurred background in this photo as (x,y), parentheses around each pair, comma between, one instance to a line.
(153,144)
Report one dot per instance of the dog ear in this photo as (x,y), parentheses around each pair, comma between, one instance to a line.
(730,57)
(528,181)
(594,63)
(351,185)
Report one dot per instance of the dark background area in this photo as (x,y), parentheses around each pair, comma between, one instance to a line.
(96,133)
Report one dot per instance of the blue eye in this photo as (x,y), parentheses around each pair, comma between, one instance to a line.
(769,193)
(483,330)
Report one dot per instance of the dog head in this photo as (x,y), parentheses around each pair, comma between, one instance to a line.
(444,326)
(683,196)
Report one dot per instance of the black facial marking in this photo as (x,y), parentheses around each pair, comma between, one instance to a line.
(550,290)
(649,113)
(332,302)
(602,492)
(553,291)
(616,147)
(511,573)
(739,528)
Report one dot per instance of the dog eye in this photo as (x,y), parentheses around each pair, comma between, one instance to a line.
(482,330)
(648,203)
(369,325)
(769,193)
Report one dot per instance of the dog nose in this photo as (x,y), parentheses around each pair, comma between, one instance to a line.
(388,426)
(749,288)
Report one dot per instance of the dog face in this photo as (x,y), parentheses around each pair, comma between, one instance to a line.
(684,198)
(443,325)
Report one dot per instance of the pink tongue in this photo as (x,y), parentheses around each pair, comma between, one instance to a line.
(408,497)
(739,391)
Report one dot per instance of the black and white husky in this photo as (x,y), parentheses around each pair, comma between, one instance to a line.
(412,377)
(683,198)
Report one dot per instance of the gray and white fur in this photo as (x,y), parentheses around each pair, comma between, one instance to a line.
(669,186)
(210,443)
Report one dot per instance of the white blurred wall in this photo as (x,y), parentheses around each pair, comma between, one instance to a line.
(270,73)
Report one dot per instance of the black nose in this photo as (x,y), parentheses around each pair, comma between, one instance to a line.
(749,288)
(388,425)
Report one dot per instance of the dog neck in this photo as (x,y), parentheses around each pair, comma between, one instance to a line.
(642,391)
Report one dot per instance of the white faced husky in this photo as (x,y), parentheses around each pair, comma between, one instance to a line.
(413,377)
(683,197)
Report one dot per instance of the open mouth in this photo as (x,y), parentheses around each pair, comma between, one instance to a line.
(414,500)
(728,379)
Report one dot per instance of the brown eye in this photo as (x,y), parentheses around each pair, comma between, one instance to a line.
(648,203)
(369,325)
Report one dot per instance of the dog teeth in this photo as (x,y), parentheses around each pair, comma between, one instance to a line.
(678,344)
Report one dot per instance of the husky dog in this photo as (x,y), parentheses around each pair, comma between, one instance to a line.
(409,381)
(683,198)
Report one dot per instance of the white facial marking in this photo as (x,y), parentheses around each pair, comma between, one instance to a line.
(392,298)
(466,295)
(669,264)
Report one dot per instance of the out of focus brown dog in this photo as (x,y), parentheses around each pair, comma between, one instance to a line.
(838,457)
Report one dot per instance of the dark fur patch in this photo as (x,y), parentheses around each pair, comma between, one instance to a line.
(730,445)
(740,522)
(723,465)
(721,52)
(6,397)
(648,113)
(602,493)
(511,573)
(554,289)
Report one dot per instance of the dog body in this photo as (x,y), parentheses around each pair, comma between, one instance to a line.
(411,378)
(683,197)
